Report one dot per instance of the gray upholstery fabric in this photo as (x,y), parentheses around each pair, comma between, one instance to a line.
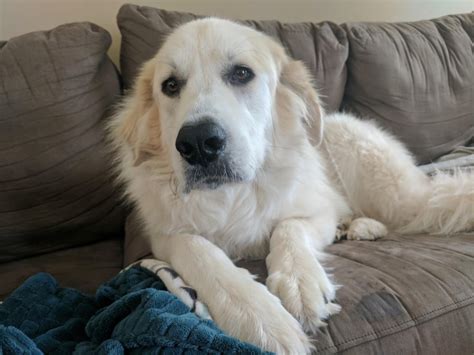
(323,47)
(399,294)
(403,295)
(416,79)
(55,185)
(84,267)
(460,159)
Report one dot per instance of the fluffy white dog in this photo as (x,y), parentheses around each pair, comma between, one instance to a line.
(226,153)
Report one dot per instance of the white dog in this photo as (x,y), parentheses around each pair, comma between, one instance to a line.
(223,150)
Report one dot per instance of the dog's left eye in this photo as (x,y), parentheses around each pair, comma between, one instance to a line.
(240,75)
(171,86)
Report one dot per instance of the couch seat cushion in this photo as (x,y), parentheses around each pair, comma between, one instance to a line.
(84,267)
(400,295)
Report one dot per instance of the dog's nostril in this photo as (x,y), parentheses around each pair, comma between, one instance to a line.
(186,149)
(214,144)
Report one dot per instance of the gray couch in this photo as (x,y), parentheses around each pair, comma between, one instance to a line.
(61,213)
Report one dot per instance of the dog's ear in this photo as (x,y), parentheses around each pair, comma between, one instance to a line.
(296,77)
(139,120)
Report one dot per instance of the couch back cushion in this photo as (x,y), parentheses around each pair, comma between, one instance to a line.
(416,79)
(55,182)
(322,47)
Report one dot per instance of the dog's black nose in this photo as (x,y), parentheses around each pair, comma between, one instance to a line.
(201,143)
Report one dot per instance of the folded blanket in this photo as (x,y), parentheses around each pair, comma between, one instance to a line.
(132,313)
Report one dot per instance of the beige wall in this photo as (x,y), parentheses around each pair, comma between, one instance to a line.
(20,16)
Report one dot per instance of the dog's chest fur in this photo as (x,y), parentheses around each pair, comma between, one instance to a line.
(238,218)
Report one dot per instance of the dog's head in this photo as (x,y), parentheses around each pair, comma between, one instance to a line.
(208,103)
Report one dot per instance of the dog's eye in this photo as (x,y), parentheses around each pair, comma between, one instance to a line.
(171,86)
(240,75)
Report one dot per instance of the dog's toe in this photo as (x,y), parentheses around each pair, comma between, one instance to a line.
(308,296)
(260,318)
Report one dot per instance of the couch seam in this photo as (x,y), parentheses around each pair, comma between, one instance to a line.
(418,320)
(408,328)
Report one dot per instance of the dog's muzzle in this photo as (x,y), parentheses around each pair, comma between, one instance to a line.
(202,145)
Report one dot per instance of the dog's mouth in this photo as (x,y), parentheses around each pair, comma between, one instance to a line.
(211,177)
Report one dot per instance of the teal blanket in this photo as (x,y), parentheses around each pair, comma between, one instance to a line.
(132,313)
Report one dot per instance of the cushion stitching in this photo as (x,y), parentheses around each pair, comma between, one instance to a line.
(465,300)
(403,329)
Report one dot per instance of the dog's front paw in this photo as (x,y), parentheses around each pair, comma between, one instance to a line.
(306,292)
(253,314)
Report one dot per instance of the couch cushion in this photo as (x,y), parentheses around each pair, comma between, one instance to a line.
(83,268)
(55,185)
(399,295)
(323,47)
(416,79)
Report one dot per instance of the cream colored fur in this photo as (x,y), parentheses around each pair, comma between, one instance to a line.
(380,180)
(300,180)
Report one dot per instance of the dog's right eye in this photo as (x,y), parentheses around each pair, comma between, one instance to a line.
(171,87)
(240,75)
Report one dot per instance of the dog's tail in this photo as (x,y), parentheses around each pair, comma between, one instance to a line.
(449,206)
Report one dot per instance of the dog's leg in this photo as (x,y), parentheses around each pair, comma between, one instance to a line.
(241,306)
(295,274)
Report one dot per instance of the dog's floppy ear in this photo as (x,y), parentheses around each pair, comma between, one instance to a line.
(296,77)
(139,120)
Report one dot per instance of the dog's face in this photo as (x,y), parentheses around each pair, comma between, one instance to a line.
(213,85)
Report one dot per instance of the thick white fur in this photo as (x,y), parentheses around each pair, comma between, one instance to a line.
(293,194)
(380,180)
